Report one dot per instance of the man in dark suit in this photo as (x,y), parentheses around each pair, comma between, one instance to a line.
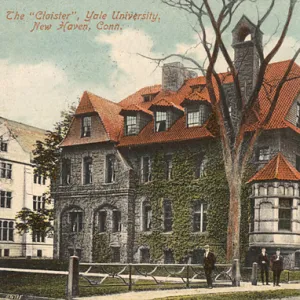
(263,262)
(277,267)
(209,261)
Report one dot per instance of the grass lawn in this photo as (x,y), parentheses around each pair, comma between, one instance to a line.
(54,286)
(279,294)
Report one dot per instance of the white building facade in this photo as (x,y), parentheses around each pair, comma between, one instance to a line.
(20,188)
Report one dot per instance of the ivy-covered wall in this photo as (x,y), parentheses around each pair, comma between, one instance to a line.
(182,190)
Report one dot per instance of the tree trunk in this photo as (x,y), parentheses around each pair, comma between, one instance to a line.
(234,217)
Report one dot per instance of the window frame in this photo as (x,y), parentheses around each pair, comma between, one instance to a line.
(102,213)
(146,174)
(168,215)
(5,199)
(263,153)
(76,220)
(86,126)
(130,126)
(66,171)
(88,170)
(5,170)
(168,167)
(116,221)
(111,169)
(161,121)
(147,217)
(200,209)
(282,209)
(6,232)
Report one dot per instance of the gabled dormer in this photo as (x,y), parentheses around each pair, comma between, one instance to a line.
(166,113)
(149,96)
(197,108)
(135,119)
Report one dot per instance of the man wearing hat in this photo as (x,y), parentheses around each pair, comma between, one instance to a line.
(277,267)
(263,262)
(209,261)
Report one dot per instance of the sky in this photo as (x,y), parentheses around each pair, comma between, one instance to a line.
(46,62)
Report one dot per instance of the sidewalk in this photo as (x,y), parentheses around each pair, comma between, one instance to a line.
(150,295)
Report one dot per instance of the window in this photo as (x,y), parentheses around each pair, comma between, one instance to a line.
(5,199)
(200,166)
(199,216)
(160,121)
(146,169)
(169,257)
(3,146)
(263,154)
(193,117)
(38,237)
(39,253)
(5,170)
(38,179)
(6,252)
(88,170)
(168,160)
(285,214)
(102,220)
(76,221)
(149,97)
(131,126)
(230,110)
(116,218)
(115,254)
(66,171)
(168,215)
(147,213)
(298,162)
(110,169)
(144,255)
(6,230)
(298,115)
(38,203)
(86,126)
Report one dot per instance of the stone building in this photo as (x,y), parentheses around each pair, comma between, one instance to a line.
(108,154)
(19,188)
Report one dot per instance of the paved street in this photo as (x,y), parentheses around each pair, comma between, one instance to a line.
(150,295)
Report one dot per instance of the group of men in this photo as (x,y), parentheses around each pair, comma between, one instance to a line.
(276,263)
(264,263)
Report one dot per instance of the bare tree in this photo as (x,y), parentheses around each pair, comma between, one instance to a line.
(237,143)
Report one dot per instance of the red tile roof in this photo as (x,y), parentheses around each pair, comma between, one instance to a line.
(163,102)
(109,121)
(109,112)
(196,97)
(278,168)
(135,108)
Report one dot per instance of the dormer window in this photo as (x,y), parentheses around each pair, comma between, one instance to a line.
(197,87)
(195,116)
(86,126)
(131,125)
(160,121)
(149,97)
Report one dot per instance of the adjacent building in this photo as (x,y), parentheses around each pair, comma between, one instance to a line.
(20,188)
(113,202)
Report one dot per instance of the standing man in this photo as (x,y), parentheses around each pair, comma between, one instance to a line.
(277,267)
(263,262)
(209,265)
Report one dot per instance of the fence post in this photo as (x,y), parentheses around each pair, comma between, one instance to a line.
(187,276)
(254,274)
(236,273)
(73,278)
(130,278)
